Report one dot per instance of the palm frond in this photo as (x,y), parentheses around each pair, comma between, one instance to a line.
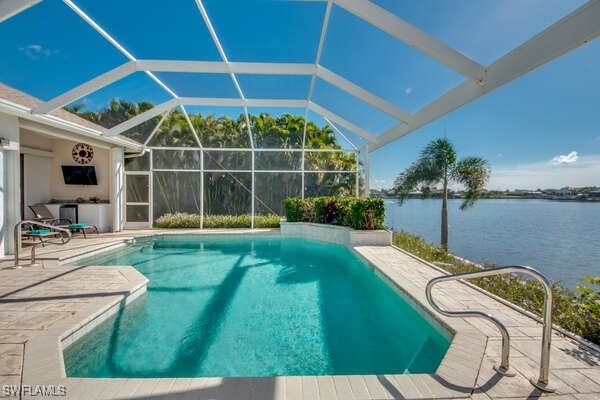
(424,171)
(441,152)
(473,173)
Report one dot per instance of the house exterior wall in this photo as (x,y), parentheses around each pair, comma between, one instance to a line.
(35,140)
(43,178)
(10,189)
(37,185)
(61,150)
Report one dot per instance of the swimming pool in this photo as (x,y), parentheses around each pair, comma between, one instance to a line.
(233,306)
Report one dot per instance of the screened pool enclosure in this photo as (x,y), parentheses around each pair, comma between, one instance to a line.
(232,106)
(237,178)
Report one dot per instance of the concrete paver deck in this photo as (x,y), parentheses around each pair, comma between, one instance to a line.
(42,306)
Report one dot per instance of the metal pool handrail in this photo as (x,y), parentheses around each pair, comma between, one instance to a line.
(17,238)
(542,381)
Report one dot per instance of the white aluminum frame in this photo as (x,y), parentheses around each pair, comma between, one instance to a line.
(201,170)
(575,29)
(134,203)
(579,27)
(10,8)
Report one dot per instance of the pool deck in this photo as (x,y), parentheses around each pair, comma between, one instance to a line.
(42,307)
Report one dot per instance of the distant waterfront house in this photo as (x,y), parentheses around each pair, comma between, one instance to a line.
(535,195)
(594,194)
(565,192)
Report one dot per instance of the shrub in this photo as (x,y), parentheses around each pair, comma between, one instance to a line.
(184,220)
(178,220)
(293,212)
(347,211)
(331,212)
(227,221)
(577,311)
(319,203)
(345,206)
(308,210)
(267,221)
(367,213)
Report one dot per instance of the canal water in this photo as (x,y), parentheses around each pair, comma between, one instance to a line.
(560,239)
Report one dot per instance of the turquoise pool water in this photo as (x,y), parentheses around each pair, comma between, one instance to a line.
(235,306)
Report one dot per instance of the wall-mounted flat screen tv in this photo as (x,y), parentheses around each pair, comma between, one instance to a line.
(79,174)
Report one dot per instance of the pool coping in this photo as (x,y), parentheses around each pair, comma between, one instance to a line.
(455,377)
(582,341)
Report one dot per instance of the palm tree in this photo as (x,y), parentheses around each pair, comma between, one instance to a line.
(436,164)
(225,192)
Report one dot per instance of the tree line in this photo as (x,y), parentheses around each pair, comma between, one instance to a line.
(229,193)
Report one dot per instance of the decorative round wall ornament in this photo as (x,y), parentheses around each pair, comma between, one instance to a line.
(82,153)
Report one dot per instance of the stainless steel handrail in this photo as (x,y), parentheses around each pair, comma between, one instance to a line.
(542,381)
(17,238)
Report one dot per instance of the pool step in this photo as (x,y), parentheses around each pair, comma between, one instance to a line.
(421,361)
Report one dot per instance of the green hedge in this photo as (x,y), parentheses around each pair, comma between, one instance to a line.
(577,310)
(184,220)
(348,211)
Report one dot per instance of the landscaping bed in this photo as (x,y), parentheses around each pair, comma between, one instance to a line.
(577,310)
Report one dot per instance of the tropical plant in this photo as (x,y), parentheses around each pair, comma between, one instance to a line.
(231,192)
(184,220)
(363,214)
(437,164)
(576,310)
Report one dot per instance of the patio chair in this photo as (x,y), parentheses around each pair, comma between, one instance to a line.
(41,234)
(81,227)
(42,214)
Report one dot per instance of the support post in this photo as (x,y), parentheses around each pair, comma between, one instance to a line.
(117,188)
(357,183)
(201,189)
(10,182)
(302,165)
(367,171)
(151,190)
(253,193)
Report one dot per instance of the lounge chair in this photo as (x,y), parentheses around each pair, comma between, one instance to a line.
(41,234)
(42,214)
(82,227)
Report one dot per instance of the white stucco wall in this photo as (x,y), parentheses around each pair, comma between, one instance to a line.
(35,140)
(336,234)
(43,174)
(37,185)
(10,192)
(62,156)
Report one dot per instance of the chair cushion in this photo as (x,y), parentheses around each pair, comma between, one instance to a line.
(83,225)
(37,232)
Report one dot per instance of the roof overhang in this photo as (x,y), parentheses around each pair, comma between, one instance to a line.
(58,127)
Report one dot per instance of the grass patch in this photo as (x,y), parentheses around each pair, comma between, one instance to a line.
(185,221)
(577,310)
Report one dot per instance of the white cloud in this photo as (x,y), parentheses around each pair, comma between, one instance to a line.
(562,159)
(585,172)
(377,183)
(36,51)
(408,90)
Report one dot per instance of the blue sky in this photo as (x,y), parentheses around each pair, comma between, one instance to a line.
(542,130)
